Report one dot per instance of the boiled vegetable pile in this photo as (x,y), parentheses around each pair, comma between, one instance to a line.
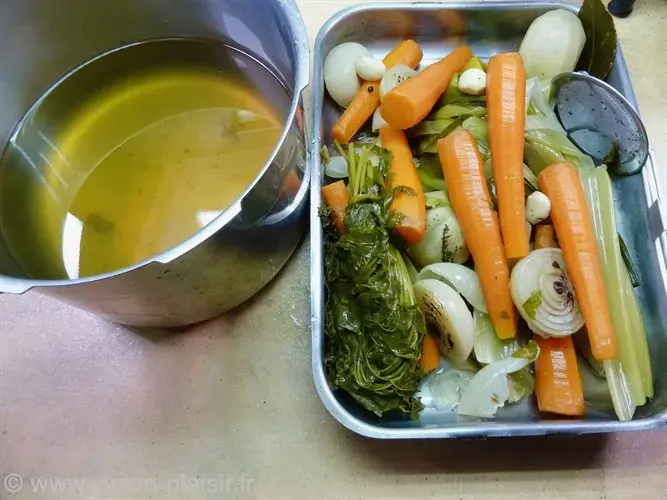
(472,258)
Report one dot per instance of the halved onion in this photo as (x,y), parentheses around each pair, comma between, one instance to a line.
(443,241)
(489,389)
(463,279)
(488,347)
(544,295)
(444,309)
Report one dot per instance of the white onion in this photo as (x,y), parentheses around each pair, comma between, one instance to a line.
(378,122)
(489,389)
(395,76)
(461,278)
(444,309)
(543,294)
(443,388)
(340,72)
(488,347)
(552,44)
(336,168)
(441,227)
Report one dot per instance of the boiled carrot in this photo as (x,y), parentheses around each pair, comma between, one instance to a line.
(574,227)
(557,380)
(463,169)
(430,358)
(337,197)
(544,236)
(367,99)
(505,98)
(410,206)
(408,103)
(558,384)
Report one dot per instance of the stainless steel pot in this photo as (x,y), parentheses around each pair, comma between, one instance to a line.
(237,254)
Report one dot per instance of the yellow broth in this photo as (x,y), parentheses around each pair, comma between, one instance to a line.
(140,164)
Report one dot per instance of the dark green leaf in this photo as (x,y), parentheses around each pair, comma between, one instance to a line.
(599,51)
(373,328)
(613,160)
(404,189)
(492,192)
(629,264)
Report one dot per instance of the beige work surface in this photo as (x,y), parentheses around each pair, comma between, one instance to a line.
(228,409)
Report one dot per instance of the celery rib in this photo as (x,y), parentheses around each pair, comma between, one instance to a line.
(631,372)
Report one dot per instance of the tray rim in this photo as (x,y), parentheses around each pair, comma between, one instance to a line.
(474,430)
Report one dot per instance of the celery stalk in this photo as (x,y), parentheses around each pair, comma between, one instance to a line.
(637,323)
(630,335)
(619,390)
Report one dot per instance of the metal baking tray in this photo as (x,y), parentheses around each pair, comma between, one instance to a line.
(487,27)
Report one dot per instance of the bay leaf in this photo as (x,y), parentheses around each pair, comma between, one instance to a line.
(599,51)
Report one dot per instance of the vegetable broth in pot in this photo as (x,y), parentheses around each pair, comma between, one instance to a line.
(158,139)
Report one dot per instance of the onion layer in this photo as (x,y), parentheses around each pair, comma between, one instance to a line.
(543,294)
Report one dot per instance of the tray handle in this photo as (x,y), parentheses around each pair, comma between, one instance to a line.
(657,215)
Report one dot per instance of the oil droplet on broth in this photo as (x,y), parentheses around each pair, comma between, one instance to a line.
(171,148)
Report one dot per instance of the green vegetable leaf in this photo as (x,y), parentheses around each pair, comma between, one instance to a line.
(430,173)
(456,110)
(429,143)
(373,328)
(430,182)
(404,189)
(430,127)
(529,352)
(533,303)
(479,129)
(521,384)
(545,146)
(491,183)
(473,63)
(435,201)
(633,272)
(324,155)
(599,51)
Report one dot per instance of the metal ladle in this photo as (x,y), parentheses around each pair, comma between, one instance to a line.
(601,122)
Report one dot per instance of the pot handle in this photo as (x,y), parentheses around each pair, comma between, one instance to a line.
(15,286)
(297,202)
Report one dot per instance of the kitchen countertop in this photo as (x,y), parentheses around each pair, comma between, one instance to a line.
(227,409)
